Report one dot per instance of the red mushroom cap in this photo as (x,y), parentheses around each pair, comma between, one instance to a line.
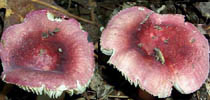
(157,51)
(47,54)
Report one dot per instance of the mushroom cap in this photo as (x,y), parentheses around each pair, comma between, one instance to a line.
(156,51)
(47,54)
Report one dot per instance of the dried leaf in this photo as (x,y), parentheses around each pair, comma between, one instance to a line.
(16,11)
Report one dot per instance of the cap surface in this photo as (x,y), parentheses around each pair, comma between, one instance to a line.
(47,54)
(157,51)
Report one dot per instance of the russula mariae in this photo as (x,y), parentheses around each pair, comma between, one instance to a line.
(157,51)
(47,54)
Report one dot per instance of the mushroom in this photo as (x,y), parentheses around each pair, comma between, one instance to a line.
(156,51)
(47,54)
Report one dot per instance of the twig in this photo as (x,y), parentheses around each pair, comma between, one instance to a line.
(115,96)
(96,48)
(92,4)
(92,14)
(63,11)
(69,4)
(105,7)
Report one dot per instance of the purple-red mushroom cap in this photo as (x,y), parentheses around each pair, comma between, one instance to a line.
(47,54)
(157,51)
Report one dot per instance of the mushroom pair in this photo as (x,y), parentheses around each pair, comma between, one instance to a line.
(50,54)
